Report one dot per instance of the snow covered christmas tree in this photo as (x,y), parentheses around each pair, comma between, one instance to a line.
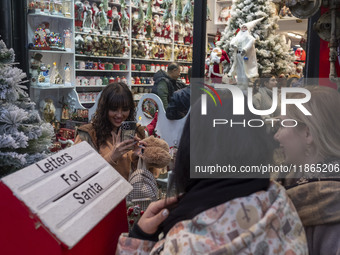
(273,53)
(24,137)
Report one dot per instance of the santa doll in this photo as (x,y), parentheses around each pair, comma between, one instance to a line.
(215,63)
(110,50)
(135,24)
(116,17)
(78,14)
(244,59)
(217,37)
(185,53)
(187,34)
(147,50)
(96,46)
(300,55)
(125,22)
(189,55)
(158,28)
(168,52)
(176,52)
(88,45)
(79,44)
(102,19)
(180,54)
(88,21)
(126,48)
(161,52)
(141,50)
(134,49)
(154,51)
(95,16)
(167,32)
(176,30)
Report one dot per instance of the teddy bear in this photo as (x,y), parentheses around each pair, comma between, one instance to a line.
(154,158)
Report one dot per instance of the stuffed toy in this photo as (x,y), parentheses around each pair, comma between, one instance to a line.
(156,153)
(154,158)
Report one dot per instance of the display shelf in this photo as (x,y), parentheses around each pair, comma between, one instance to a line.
(52,51)
(107,57)
(104,71)
(45,15)
(183,62)
(142,85)
(144,40)
(143,72)
(152,60)
(290,19)
(62,57)
(183,45)
(100,35)
(92,86)
(110,3)
(293,24)
(153,12)
(53,87)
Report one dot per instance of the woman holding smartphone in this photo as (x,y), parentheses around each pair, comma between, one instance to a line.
(115,106)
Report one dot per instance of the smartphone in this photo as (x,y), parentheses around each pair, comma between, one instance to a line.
(128,130)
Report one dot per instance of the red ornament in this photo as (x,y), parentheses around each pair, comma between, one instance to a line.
(130,210)
(141,212)
(131,222)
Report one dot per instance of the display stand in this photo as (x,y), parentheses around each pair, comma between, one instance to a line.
(137,71)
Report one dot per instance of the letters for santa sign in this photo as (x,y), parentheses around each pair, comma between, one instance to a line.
(70,191)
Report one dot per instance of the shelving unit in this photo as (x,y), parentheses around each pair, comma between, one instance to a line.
(59,93)
(104,71)
(58,24)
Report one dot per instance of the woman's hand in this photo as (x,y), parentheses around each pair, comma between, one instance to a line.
(154,215)
(138,148)
(120,148)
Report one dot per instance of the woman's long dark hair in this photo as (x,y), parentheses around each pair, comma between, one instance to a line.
(114,96)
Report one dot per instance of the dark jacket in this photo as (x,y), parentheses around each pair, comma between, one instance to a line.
(165,86)
(179,104)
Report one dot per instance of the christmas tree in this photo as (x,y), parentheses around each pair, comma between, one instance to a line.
(273,53)
(24,137)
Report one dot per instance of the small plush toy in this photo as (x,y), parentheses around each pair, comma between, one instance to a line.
(156,153)
(154,158)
